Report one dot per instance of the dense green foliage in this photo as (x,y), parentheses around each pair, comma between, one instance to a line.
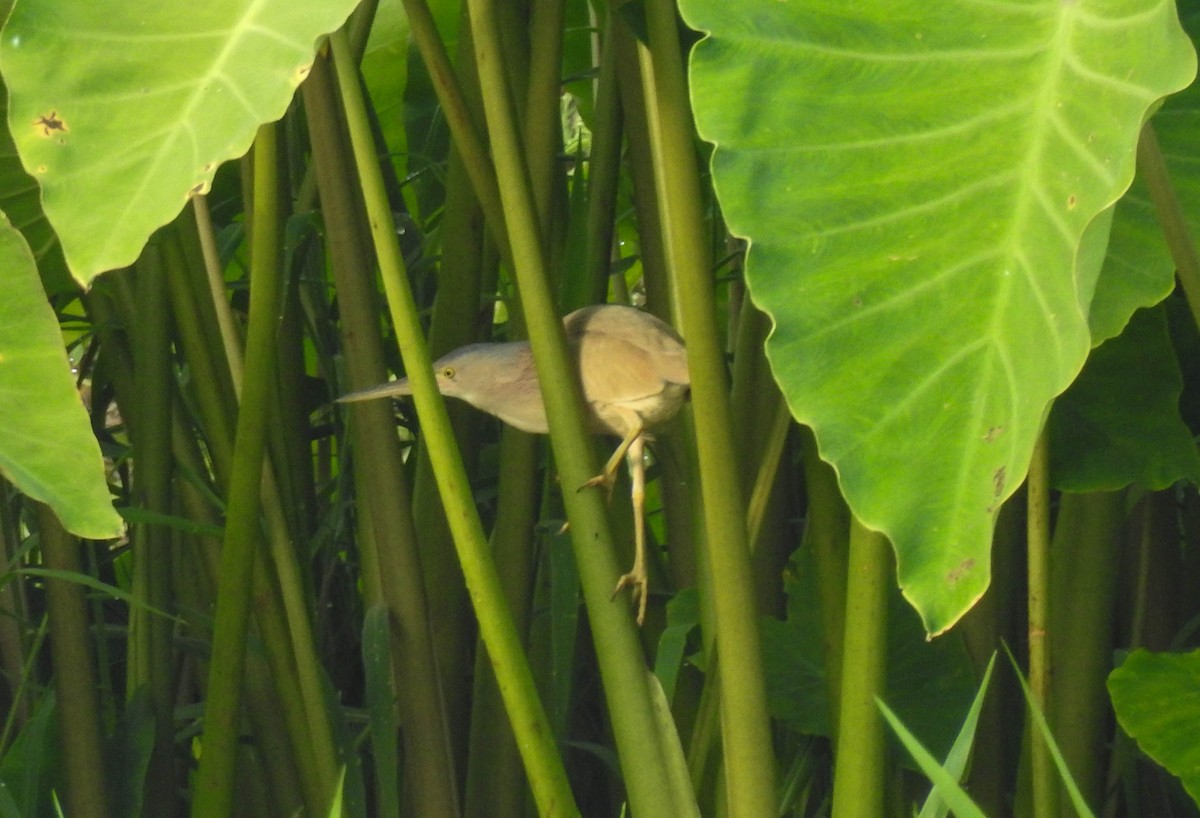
(937,270)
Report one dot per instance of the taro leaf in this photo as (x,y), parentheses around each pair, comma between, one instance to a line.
(915,179)
(1156,697)
(1119,422)
(47,448)
(20,201)
(122,111)
(1138,270)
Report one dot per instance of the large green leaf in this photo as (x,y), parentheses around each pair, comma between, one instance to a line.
(21,202)
(1157,700)
(47,448)
(1138,269)
(122,111)
(915,179)
(1119,422)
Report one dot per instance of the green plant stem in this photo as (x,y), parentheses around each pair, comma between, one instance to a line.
(214,790)
(604,171)
(391,563)
(1153,168)
(859,780)
(462,313)
(1083,579)
(546,774)
(827,533)
(463,128)
(622,667)
(152,663)
(270,706)
(279,598)
(542,109)
(287,643)
(494,783)
(297,747)
(749,759)
(762,421)
(680,483)
(230,338)
(993,622)
(81,739)
(1042,775)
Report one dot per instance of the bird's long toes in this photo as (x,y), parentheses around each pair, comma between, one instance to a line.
(603,479)
(639,593)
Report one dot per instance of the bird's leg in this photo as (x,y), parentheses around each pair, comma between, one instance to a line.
(636,578)
(608,476)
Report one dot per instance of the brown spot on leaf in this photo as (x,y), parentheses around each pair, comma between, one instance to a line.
(196,190)
(50,123)
(961,570)
(998,481)
(992,433)
(1071,201)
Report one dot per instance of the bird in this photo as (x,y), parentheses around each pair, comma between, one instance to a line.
(634,371)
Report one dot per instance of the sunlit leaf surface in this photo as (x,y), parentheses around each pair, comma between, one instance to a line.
(915,179)
(47,448)
(122,111)
(1157,700)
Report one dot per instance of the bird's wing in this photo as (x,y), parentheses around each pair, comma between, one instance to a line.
(649,353)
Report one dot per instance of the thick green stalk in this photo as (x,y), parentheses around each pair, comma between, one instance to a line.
(859,780)
(1042,774)
(680,483)
(604,172)
(494,784)
(462,313)
(1083,586)
(542,111)
(285,693)
(287,653)
(279,591)
(749,757)
(1153,167)
(827,534)
(985,628)
(152,663)
(290,442)
(269,706)
(80,736)
(547,777)
(389,553)
(761,420)
(463,128)
(213,789)
(230,338)
(618,650)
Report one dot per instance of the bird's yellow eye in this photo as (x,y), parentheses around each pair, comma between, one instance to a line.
(448,373)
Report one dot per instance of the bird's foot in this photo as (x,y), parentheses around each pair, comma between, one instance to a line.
(605,479)
(640,593)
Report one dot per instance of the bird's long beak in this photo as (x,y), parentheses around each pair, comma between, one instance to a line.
(391,389)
